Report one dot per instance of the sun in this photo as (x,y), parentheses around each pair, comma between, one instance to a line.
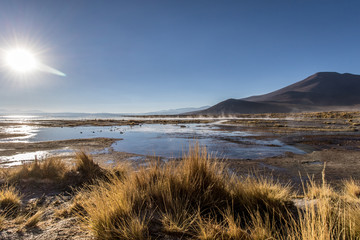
(21,60)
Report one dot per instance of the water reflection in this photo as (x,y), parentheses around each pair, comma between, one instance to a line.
(25,131)
(18,159)
(167,141)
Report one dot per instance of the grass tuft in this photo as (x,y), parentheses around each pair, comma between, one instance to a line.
(10,200)
(352,188)
(86,166)
(50,168)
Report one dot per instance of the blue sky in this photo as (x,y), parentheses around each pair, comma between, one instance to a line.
(141,56)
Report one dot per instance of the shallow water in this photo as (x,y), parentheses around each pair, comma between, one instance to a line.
(167,141)
(18,159)
(71,116)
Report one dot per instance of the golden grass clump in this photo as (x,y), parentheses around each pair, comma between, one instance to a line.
(86,166)
(196,198)
(328,214)
(10,199)
(57,170)
(182,198)
(49,168)
(352,188)
(228,228)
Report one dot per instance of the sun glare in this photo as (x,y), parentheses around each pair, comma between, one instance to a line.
(21,60)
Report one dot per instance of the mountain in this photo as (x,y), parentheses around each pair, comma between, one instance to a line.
(321,91)
(235,106)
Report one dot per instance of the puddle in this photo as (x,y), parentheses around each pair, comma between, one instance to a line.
(18,159)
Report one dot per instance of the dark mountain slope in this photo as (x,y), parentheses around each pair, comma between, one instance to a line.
(323,91)
(234,106)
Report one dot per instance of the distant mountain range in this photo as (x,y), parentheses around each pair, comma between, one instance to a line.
(323,91)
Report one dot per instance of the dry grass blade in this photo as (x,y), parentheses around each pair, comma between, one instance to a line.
(33,220)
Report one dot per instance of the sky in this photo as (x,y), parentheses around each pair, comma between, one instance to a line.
(140,56)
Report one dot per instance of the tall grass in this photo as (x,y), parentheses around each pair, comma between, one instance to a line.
(86,166)
(58,171)
(184,199)
(50,168)
(196,198)
(10,201)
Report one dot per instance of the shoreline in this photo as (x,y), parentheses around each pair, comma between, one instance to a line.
(318,134)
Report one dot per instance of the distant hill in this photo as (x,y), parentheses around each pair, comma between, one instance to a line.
(322,91)
(234,106)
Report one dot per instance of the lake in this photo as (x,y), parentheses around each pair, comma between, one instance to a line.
(164,140)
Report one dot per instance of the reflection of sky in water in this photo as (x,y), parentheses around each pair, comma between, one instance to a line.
(172,146)
(178,131)
(17,159)
(168,140)
(27,131)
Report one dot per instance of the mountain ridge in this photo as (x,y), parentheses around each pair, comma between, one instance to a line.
(318,92)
